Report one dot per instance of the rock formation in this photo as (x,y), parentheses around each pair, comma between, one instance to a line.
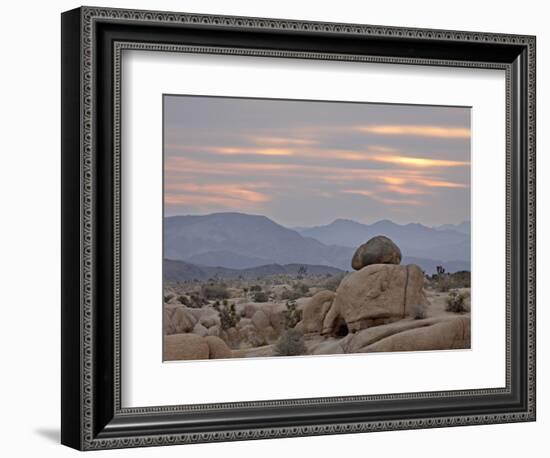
(187,346)
(376,294)
(315,311)
(378,250)
(379,307)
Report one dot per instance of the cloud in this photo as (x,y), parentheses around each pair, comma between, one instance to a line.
(253,151)
(396,177)
(218,195)
(381,198)
(439,183)
(261,140)
(416,130)
(419,161)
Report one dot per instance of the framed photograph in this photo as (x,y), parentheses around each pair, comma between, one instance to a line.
(276,228)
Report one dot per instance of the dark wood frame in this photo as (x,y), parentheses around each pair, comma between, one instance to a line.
(92,42)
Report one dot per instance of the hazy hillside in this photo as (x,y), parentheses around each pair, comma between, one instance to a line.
(413,239)
(240,241)
(181,271)
(463,227)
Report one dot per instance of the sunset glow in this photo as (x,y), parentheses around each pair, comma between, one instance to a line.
(418,130)
(312,162)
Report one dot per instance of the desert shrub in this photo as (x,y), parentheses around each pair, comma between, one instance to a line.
(332,282)
(184,300)
(255,288)
(290,295)
(298,290)
(456,302)
(292,314)
(301,288)
(197,301)
(215,291)
(228,314)
(291,343)
(460,279)
(260,296)
(302,272)
(443,283)
(418,311)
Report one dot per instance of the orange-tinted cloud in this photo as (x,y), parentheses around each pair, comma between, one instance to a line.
(219,195)
(253,151)
(439,183)
(417,130)
(409,190)
(418,161)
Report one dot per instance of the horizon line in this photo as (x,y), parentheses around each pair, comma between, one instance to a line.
(318,225)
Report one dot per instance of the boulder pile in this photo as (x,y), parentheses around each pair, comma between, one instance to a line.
(380,291)
(381,306)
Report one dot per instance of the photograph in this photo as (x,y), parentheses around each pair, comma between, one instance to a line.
(314,227)
(280,222)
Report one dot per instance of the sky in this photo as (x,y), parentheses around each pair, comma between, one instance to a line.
(307,163)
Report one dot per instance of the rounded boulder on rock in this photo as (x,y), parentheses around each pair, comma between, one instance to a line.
(185,346)
(377,250)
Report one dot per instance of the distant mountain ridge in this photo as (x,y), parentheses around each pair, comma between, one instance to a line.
(184,271)
(242,241)
(413,239)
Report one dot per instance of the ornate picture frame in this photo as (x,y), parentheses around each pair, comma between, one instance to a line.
(93,416)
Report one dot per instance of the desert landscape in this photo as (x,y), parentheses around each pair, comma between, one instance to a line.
(309,227)
(381,306)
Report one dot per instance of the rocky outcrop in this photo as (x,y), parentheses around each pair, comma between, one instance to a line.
(438,333)
(315,311)
(185,347)
(178,319)
(375,295)
(378,250)
(217,348)
(189,346)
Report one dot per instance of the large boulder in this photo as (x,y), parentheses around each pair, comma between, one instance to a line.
(251,336)
(218,349)
(209,319)
(449,334)
(378,250)
(200,330)
(185,347)
(260,320)
(375,295)
(168,325)
(314,312)
(178,319)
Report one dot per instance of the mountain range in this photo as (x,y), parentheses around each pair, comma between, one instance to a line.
(181,270)
(414,240)
(242,241)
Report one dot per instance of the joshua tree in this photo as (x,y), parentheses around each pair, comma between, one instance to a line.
(302,271)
